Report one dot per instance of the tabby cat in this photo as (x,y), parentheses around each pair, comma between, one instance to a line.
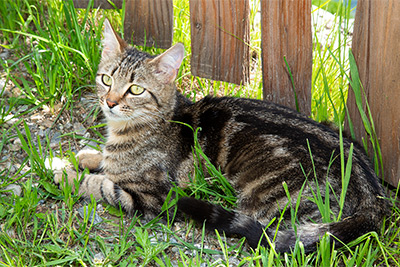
(258,145)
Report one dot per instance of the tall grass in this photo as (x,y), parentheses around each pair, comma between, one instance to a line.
(53,42)
(331,65)
(58,47)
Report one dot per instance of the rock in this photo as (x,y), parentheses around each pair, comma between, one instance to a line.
(79,129)
(233,261)
(10,120)
(17,145)
(36,117)
(14,189)
(47,123)
(98,258)
(13,169)
(23,108)
(5,54)
(10,232)
(68,126)
(89,144)
(2,84)
(175,250)
(42,132)
(93,218)
(55,139)
(99,208)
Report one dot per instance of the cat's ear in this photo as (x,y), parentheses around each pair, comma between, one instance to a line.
(112,43)
(168,63)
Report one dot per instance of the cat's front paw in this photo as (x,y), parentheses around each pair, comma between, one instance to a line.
(90,159)
(68,175)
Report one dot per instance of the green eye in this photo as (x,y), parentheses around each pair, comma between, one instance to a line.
(136,90)
(106,79)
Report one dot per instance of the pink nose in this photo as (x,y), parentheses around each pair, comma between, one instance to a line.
(111,103)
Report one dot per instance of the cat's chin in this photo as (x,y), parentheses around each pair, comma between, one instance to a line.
(119,125)
(112,117)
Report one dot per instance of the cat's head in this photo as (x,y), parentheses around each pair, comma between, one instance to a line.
(135,87)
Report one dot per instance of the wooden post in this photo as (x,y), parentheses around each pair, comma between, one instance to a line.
(376,48)
(149,22)
(286,33)
(220,36)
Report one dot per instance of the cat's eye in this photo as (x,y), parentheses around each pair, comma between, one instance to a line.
(136,90)
(106,79)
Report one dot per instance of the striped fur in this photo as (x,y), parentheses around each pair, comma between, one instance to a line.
(258,145)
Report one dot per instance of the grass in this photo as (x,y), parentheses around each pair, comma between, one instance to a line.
(55,52)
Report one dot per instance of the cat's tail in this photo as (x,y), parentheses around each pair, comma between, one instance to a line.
(237,224)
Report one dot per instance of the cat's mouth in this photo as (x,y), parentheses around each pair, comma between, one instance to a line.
(112,114)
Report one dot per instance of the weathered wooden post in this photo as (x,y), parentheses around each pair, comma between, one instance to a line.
(149,22)
(376,48)
(220,37)
(286,33)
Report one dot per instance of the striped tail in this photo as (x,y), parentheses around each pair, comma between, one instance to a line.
(237,224)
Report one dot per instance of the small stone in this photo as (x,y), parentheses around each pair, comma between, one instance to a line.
(14,168)
(23,108)
(86,135)
(10,120)
(55,140)
(68,126)
(17,145)
(14,189)
(41,133)
(93,218)
(36,117)
(47,123)
(10,232)
(2,85)
(79,129)
(5,54)
(99,208)
(89,145)
(233,261)
(98,258)
(175,249)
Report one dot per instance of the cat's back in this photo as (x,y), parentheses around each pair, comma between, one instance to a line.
(260,145)
(247,124)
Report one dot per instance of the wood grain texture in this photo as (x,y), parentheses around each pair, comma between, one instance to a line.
(220,34)
(286,32)
(376,48)
(149,22)
(104,4)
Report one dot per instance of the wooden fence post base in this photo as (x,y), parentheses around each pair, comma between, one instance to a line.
(376,48)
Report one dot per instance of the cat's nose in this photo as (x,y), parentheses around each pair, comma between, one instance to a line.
(111,103)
